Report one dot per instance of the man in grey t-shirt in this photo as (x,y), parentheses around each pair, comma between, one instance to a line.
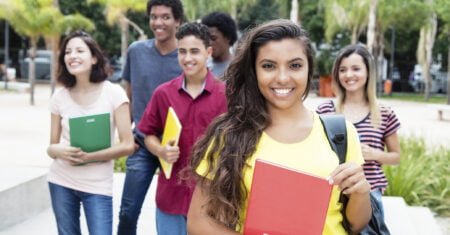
(149,63)
(223,33)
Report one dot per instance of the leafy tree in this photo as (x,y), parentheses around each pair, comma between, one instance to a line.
(116,12)
(345,14)
(261,11)
(195,9)
(107,38)
(33,18)
(312,18)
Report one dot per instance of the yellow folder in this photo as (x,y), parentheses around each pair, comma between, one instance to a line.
(172,131)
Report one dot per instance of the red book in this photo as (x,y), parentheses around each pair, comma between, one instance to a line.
(285,201)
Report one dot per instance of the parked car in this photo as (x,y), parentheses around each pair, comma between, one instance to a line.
(116,70)
(42,62)
(438,80)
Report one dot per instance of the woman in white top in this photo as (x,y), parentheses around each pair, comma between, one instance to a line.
(77,177)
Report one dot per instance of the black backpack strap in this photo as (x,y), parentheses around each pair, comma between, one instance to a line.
(336,131)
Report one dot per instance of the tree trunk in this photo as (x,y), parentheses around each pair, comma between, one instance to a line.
(32,68)
(136,27)
(429,35)
(378,55)
(54,40)
(448,72)
(371,27)
(233,10)
(294,11)
(354,35)
(124,38)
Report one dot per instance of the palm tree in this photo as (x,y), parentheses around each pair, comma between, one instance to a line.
(195,9)
(345,14)
(29,18)
(293,16)
(425,49)
(34,18)
(115,12)
(443,10)
(372,25)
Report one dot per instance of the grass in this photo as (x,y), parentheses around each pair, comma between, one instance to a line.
(416,97)
(423,176)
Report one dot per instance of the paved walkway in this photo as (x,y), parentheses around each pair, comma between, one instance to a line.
(24,129)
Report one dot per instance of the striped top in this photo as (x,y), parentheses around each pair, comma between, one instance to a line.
(374,137)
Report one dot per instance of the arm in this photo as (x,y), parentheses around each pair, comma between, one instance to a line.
(351,180)
(390,157)
(169,153)
(126,144)
(57,150)
(198,222)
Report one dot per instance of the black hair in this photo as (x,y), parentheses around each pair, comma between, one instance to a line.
(224,23)
(175,5)
(99,71)
(197,30)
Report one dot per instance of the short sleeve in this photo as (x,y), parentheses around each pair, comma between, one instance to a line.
(118,96)
(203,167)
(354,153)
(391,121)
(55,101)
(152,122)
(326,108)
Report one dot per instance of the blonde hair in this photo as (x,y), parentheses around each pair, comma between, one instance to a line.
(370,86)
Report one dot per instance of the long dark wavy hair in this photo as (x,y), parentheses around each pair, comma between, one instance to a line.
(232,138)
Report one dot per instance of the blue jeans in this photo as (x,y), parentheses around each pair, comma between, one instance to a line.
(141,167)
(168,224)
(66,204)
(377,194)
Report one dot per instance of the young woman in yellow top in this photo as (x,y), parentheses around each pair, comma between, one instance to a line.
(266,119)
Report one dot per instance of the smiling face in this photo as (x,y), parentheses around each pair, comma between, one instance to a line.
(78,57)
(353,73)
(163,23)
(192,56)
(282,73)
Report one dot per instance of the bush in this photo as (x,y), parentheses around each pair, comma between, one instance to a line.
(423,176)
(324,62)
(120,164)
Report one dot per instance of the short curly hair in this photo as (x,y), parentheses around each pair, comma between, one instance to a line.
(99,70)
(224,23)
(197,30)
(175,5)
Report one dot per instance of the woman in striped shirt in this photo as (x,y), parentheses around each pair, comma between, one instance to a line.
(354,83)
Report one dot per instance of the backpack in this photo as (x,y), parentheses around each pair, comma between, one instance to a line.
(336,132)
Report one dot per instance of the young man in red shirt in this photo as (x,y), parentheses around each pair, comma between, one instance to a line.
(197,98)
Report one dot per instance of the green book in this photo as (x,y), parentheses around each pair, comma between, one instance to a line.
(90,133)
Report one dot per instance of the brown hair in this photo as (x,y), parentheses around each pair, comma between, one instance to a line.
(99,69)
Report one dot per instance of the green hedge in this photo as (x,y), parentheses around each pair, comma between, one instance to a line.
(423,176)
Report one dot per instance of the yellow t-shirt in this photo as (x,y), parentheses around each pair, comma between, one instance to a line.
(313,155)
